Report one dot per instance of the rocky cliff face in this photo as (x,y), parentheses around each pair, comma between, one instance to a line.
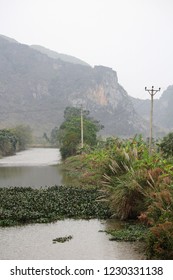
(109,103)
(35,89)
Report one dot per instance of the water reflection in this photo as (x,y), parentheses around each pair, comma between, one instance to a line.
(35,177)
(35,242)
(33,157)
(35,167)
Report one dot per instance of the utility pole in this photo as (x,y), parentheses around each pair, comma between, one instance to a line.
(81,118)
(152,92)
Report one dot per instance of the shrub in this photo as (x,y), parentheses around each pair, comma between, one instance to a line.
(166,145)
(160,241)
(126,192)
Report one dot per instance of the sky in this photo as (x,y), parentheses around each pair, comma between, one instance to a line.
(133,37)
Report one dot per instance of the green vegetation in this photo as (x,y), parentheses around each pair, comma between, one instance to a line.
(23,135)
(8,142)
(28,205)
(166,145)
(62,239)
(129,233)
(137,185)
(69,133)
(13,140)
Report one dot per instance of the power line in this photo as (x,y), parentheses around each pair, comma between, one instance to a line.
(152,92)
(82,127)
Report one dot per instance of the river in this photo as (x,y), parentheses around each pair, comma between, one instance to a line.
(38,167)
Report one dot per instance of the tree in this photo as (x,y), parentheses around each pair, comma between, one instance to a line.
(69,133)
(8,142)
(14,139)
(23,135)
(166,145)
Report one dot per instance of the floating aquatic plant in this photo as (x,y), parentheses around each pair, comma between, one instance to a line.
(62,239)
(28,205)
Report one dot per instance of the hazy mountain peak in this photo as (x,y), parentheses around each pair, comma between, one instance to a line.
(11,40)
(56,55)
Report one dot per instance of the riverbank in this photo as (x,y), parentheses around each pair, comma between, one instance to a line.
(83,170)
(137,185)
(87,170)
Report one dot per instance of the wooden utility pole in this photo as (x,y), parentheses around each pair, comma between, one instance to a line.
(152,92)
(81,118)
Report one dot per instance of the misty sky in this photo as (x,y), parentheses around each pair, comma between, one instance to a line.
(134,37)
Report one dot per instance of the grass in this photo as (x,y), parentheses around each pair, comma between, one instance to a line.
(83,170)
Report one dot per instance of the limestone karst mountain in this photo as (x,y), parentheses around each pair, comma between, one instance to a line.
(55,55)
(36,88)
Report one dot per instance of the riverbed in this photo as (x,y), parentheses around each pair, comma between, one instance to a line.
(39,168)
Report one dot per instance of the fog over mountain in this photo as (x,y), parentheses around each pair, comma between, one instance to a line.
(37,84)
(162,111)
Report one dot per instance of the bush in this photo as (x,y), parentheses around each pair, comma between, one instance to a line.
(8,142)
(166,145)
(126,194)
(160,242)
(159,218)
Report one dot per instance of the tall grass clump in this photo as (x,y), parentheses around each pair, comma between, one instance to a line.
(140,186)
(124,179)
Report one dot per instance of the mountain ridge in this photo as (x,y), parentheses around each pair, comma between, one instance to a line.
(56,55)
(36,88)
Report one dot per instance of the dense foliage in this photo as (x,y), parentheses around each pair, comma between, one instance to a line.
(8,142)
(136,184)
(69,133)
(28,205)
(166,145)
(13,140)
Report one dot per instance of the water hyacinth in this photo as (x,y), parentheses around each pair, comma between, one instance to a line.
(62,239)
(27,205)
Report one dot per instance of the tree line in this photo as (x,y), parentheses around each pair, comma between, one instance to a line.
(14,139)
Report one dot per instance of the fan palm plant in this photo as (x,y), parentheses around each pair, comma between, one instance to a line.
(125,188)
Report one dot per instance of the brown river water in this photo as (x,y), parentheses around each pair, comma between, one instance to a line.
(38,167)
